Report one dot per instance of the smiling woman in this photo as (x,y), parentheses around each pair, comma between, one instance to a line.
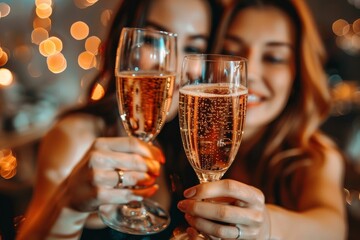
(80,157)
(286,167)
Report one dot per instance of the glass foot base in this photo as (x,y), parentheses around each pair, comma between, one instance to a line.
(138,218)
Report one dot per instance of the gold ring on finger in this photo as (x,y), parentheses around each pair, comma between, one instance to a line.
(120,182)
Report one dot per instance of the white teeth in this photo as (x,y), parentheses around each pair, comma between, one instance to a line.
(253,98)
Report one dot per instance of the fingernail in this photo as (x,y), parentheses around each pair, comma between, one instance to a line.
(162,159)
(189,192)
(191,232)
(182,205)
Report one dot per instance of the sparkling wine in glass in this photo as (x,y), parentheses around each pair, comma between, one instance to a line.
(212,109)
(145,74)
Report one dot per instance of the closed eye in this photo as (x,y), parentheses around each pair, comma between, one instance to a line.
(191,49)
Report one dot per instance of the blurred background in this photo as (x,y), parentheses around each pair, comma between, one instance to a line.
(49,54)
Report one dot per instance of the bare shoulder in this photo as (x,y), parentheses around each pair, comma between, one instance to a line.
(325,179)
(334,161)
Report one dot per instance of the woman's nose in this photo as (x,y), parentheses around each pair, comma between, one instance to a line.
(254,66)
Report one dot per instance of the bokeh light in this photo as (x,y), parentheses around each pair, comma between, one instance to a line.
(44,23)
(6,77)
(23,53)
(84,3)
(3,58)
(105,17)
(79,30)
(4,10)
(46,2)
(38,35)
(8,163)
(92,44)
(56,63)
(340,27)
(87,60)
(50,46)
(34,71)
(43,10)
(98,92)
(356,26)
(47,48)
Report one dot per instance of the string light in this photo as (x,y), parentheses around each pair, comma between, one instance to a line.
(6,77)
(347,35)
(8,164)
(4,10)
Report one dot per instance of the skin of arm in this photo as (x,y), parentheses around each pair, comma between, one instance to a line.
(61,149)
(321,212)
(320,215)
(77,174)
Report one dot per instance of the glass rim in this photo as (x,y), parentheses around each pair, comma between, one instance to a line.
(171,34)
(223,57)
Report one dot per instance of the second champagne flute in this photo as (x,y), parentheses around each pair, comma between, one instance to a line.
(145,73)
(212,109)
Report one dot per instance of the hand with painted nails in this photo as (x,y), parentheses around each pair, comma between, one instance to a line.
(114,170)
(225,209)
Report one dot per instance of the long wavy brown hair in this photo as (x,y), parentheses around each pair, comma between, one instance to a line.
(130,13)
(293,143)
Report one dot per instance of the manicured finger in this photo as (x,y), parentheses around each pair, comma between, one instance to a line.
(106,159)
(222,231)
(123,195)
(110,178)
(227,188)
(130,145)
(221,212)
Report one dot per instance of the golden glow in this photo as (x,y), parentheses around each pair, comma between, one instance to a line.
(6,78)
(43,10)
(91,1)
(56,63)
(33,70)
(84,3)
(39,2)
(87,60)
(4,10)
(3,58)
(92,44)
(50,46)
(340,27)
(79,30)
(355,42)
(98,92)
(105,17)
(38,35)
(8,163)
(47,48)
(356,26)
(58,43)
(42,23)
(23,53)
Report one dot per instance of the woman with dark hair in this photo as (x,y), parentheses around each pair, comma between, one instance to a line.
(80,155)
(286,169)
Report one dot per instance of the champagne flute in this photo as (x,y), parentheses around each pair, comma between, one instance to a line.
(212,109)
(145,73)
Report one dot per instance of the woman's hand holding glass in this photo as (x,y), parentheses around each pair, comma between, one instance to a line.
(233,210)
(212,110)
(145,72)
(98,177)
